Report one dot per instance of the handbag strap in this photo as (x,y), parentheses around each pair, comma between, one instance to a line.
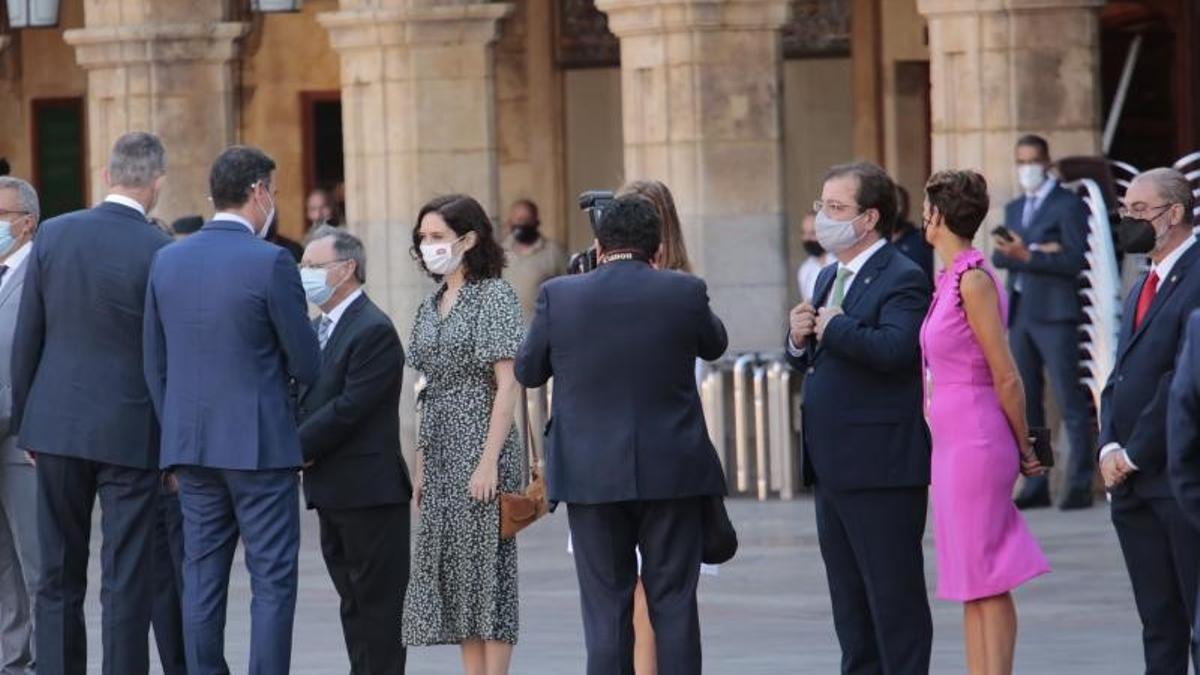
(530,446)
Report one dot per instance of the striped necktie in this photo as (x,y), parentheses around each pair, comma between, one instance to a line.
(323,330)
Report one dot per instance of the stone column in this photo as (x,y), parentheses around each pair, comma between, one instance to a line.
(701,92)
(418,119)
(1002,68)
(163,67)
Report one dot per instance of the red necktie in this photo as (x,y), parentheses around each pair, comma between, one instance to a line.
(1149,289)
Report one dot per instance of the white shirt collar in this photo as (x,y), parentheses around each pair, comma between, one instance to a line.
(1042,192)
(234,218)
(335,315)
(856,264)
(126,201)
(1163,268)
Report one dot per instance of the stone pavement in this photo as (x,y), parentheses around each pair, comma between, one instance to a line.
(767,613)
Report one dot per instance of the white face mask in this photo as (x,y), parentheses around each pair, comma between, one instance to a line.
(1031,177)
(6,236)
(837,235)
(262,232)
(440,258)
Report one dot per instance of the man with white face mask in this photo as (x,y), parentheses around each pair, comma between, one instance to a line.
(866,446)
(20,559)
(226,337)
(1042,248)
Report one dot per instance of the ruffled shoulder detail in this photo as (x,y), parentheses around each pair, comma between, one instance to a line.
(973,259)
(969,259)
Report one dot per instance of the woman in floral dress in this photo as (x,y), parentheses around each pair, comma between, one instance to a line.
(463,588)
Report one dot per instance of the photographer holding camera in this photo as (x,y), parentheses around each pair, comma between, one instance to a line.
(621,343)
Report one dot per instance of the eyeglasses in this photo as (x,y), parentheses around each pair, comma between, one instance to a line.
(1141,209)
(835,209)
(6,212)
(321,266)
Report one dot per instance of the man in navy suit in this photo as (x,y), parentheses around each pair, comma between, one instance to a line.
(81,407)
(866,446)
(1161,548)
(627,446)
(226,334)
(1044,257)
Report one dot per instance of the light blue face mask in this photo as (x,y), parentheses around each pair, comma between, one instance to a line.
(6,238)
(315,288)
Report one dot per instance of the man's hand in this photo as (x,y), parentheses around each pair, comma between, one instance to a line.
(824,317)
(1115,469)
(802,321)
(31,457)
(170,482)
(1014,249)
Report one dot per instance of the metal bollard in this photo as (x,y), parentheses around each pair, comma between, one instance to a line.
(741,420)
(712,398)
(761,440)
(783,446)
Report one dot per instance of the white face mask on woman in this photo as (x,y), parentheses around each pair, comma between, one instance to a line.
(440,258)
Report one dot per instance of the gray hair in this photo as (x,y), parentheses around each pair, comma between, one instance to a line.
(138,158)
(25,194)
(346,246)
(1173,187)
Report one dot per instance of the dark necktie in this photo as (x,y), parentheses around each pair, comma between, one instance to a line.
(1145,299)
(3,271)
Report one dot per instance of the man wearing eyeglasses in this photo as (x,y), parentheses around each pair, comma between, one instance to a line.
(1042,248)
(1161,548)
(19,556)
(866,446)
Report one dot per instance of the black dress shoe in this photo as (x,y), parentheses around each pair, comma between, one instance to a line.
(1076,499)
(1033,501)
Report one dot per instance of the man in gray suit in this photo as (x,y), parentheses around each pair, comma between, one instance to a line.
(19,559)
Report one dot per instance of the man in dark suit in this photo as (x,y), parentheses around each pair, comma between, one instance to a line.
(1044,257)
(627,447)
(80,399)
(866,446)
(226,333)
(355,476)
(910,239)
(1162,549)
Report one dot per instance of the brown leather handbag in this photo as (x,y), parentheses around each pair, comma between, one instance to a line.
(519,510)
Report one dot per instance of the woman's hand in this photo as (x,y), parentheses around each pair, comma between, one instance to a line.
(1030,466)
(484,481)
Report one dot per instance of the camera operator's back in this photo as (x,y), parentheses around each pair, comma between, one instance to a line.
(621,343)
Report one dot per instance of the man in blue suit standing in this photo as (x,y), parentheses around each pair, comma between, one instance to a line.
(866,446)
(226,337)
(1161,548)
(1043,251)
(80,406)
(627,447)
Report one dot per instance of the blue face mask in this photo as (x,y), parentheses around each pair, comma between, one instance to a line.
(315,288)
(6,238)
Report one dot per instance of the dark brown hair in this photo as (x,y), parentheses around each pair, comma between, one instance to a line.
(463,215)
(675,256)
(876,190)
(961,198)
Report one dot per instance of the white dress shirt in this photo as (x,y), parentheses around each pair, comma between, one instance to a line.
(806,276)
(854,267)
(14,261)
(126,201)
(335,315)
(1163,271)
(234,218)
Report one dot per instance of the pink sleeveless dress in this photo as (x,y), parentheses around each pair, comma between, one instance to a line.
(984,547)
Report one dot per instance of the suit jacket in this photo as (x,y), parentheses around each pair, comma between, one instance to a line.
(350,418)
(913,245)
(864,425)
(1183,424)
(226,331)
(1133,405)
(1049,281)
(10,303)
(78,387)
(621,343)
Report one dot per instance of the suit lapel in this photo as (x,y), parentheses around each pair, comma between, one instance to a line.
(861,281)
(1165,288)
(824,284)
(344,325)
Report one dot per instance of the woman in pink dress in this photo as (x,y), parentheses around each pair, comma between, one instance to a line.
(975,406)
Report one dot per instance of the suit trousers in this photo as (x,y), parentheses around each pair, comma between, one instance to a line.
(871,544)
(1053,348)
(366,551)
(67,491)
(263,508)
(16,625)
(671,538)
(167,615)
(1162,554)
(18,497)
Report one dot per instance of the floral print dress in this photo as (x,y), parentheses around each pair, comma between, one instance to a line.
(464,577)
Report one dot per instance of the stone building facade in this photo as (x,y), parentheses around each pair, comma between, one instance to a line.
(738,105)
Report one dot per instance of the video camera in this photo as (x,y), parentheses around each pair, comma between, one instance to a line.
(593,202)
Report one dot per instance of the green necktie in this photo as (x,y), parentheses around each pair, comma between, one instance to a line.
(839,287)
